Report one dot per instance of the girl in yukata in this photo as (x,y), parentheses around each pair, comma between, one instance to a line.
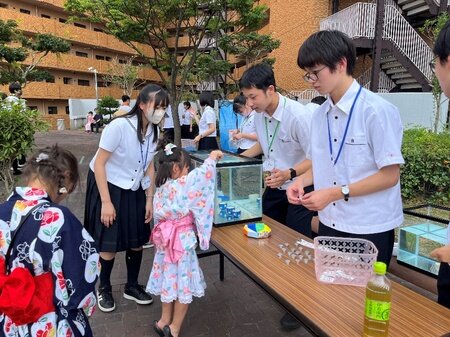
(183,210)
(89,121)
(48,262)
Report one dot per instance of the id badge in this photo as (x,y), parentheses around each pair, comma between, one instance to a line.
(268,166)
(146,182)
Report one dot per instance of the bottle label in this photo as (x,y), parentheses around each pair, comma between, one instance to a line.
(377,310)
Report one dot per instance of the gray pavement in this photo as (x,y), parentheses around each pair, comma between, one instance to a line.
(235,307)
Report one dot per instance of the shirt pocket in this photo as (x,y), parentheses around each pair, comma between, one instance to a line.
(356,151)
(188,240)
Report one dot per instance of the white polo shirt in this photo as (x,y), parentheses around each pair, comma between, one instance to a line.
(208,117)
(291,140)
(129,158)
(247,126)
(373,141)
(185,116)
(168,121)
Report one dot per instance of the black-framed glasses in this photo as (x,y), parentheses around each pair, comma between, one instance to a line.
(312,76)
(433,64)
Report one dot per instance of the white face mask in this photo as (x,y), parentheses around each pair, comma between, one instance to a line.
(155,116)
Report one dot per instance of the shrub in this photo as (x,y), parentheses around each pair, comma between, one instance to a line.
(426,173)
(17,128)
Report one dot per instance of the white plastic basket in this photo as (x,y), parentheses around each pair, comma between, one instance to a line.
(347,261)
(188,144)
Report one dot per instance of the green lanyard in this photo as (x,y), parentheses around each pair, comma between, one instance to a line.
(275,133)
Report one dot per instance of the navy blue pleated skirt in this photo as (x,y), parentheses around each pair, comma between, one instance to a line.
(129,230)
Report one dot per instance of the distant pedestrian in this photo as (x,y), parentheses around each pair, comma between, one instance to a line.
(207,136)
(89,121)
(97,121)
(186,120)
(124,108)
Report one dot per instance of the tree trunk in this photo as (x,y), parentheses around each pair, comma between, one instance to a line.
(437,114)
(6,179)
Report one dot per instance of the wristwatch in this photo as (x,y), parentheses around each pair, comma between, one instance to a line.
(345,191)
(293,173)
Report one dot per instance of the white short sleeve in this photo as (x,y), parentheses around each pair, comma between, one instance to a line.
(111,136)
(210,116)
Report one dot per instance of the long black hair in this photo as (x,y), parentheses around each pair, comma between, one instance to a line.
(166,163)
(149,93)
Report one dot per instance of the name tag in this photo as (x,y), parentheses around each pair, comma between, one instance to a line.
(146,182)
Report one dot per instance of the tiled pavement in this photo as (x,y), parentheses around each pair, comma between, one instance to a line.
(235,307)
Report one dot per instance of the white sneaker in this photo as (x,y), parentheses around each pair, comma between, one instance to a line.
(148,245)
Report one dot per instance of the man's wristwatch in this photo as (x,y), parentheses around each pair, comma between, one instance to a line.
(345,191)
(293,173)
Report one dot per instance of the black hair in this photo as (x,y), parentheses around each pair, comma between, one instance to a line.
(187,103)
(442,45)
(206,98)
(55,167)
(149,93)
(14,87)
(166,163)
(259,76)
(318,100)
(327,47)
(90,112)
(125,98)
(238,103)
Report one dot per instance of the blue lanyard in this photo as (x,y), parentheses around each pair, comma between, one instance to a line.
(146,155)
(345,132)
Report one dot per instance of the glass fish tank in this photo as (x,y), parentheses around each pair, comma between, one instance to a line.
(416,242)
(238,189)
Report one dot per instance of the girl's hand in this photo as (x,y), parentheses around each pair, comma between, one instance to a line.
(108,214)
(197,139)
(149,209)
(216,155)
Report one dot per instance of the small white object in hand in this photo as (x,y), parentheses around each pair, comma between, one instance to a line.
(287,261)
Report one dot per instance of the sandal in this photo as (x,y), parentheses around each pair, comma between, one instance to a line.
(167,332)
(157,329)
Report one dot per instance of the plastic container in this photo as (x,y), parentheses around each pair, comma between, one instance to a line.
(378,303)
(347,261)
(188,144)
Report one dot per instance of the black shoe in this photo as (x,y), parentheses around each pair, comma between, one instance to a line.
(167,332)
(105,300)
(17,173)
(289,322)
(137,293)
(157,329)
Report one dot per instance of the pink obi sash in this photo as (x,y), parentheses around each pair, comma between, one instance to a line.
(166,235)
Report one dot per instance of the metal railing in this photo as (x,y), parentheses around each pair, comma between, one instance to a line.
(304,96)
(358,21)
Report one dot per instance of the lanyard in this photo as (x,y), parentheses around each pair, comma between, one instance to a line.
(146,155)
(275,133)
(244,122)
(345,132)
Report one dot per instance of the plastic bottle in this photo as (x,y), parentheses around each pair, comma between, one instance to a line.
(378,303)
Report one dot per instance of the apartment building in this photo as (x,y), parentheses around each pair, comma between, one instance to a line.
(90,48)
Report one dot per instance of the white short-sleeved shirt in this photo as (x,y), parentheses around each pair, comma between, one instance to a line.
(168,121)
(129,158)
(208,117)
(373,141)
(185,116)
(292,138)
(247,126)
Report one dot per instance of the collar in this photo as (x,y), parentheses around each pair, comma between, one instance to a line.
(278,114)
(346,101)
(133,120)
(29,193)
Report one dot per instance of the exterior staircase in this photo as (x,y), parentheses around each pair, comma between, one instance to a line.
(405,55)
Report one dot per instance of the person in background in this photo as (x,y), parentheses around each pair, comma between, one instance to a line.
(124,107)
(245,136)
(52,260)
(89,121)
(169,131)
(186,120)
(97,122)
(207,137)
(119,193)
(315,103)
(441,67)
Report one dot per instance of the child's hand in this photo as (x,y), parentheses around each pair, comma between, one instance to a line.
(216,155)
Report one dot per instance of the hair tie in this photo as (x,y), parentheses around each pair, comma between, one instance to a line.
(62,190)
(41,156)
(168,149)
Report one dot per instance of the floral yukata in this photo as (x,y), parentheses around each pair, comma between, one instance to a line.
(183,209)
(61,247)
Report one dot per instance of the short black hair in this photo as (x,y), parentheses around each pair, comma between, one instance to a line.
(238,103)
(125,98)
(327,47)
(318,100)
(259,76)
(14,87)
(442,45)
(206,98)
(187,103)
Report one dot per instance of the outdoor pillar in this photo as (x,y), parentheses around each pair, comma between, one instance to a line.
(377,47)
(335,7)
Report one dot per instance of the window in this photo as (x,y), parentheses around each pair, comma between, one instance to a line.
(67,80)
(99,57)
(62,20)
(67,110)
(103,84)
(33,107)
(52,110)
(83,83)
(107,58)
(45,16)
(98,30)
(76,24)
(122,61)
(25,11)
(81,54)
(3,5)
(50,80)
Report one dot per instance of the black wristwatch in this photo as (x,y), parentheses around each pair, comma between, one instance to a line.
(293,173)
(345,191)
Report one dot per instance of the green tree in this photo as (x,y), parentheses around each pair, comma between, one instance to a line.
(431,29)
(187,38)
(108,105)
(20,56)
(125,75)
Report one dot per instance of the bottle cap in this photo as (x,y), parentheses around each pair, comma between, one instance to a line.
(379,268)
